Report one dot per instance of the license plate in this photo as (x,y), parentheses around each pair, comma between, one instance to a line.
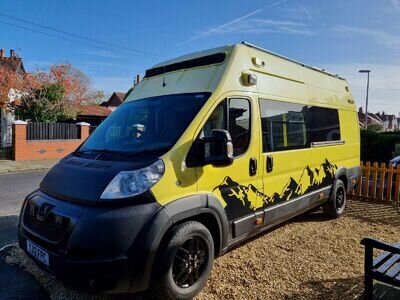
(37,252)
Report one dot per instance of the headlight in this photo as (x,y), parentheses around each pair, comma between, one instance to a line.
(131,183)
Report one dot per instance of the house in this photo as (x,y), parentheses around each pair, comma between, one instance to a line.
(390,122)
(115,100)
(372,119)
(95,114)
(15,64)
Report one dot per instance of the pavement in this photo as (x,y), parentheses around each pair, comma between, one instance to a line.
(11,166)
(14,187)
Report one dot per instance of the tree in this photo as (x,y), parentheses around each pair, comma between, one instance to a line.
(96,98)
(11,84)
(74,82)
(375,127)
(52,96)
(46,104)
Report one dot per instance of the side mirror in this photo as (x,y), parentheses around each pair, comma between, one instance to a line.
(215,150)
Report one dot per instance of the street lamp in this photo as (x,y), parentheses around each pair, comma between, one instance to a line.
(366,101)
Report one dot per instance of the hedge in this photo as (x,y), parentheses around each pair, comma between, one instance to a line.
(378,146)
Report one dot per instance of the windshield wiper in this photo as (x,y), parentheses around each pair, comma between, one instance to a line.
(148,151)
(98,152)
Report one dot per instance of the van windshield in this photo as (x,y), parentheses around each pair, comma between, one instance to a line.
(149,126)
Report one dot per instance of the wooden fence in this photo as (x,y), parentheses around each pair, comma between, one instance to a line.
(379,182)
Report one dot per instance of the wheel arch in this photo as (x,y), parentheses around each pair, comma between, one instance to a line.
(204,208)
(342,174)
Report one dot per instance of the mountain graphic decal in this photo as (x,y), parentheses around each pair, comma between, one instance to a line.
(241,200)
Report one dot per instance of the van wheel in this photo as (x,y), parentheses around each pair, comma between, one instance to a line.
(185,262)
(336,204)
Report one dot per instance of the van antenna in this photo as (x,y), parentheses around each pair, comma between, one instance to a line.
(164,83)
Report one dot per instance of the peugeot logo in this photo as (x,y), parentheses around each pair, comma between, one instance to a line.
(44,211)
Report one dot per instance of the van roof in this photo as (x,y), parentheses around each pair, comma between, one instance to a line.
(292,60)
(226,48)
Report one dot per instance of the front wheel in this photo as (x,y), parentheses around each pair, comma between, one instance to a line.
(185,262)
(336,204)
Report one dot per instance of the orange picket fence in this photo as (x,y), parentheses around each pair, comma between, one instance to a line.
(378,182)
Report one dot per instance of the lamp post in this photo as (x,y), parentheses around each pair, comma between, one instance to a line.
(366,101)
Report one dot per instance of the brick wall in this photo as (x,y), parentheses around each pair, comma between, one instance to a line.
(43,149)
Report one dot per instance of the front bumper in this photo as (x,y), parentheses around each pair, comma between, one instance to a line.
(90,248)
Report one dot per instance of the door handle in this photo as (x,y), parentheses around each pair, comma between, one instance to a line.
(253,166)
(270,163)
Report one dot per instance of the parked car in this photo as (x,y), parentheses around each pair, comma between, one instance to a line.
(232,142)
(395,161)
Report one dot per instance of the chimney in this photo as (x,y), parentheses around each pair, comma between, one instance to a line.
(136,80)
(12,53)
(1,53)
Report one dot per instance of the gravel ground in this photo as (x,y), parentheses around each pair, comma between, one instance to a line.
(309,257)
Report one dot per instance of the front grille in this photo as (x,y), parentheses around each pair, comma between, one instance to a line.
(51,228)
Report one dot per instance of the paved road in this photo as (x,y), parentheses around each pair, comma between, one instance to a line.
(13,189)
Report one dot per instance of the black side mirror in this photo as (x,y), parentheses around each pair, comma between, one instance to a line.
(216,150)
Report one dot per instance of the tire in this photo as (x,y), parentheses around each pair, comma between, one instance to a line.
(185,263)
(336,204)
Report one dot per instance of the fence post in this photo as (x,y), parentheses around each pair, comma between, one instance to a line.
(374,179)
(19,139)
(389,183)
(358,193)
(84,130)
(397,185)
(366,181)
(382,181)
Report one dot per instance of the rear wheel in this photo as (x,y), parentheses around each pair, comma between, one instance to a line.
(185,262)
(336,204)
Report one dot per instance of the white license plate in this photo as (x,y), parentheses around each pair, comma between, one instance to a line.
(37,252)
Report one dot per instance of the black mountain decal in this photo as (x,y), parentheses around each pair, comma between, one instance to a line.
(240,199)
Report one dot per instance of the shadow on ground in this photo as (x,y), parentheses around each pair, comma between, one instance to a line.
(341,288)
(8,230)
(376,212)
(16,283)
(362,210)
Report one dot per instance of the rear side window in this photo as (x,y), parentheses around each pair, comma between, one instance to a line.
(232,115)
(288,126)
(323,124)
(283,125)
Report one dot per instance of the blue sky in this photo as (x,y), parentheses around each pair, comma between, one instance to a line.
(340,36)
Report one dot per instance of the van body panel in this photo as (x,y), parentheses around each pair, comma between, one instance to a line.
(238,191)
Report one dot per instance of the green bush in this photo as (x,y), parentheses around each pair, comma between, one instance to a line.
(378,147)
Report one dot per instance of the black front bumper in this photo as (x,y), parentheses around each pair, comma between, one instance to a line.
(90,248)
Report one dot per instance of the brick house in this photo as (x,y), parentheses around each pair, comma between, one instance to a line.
(95,114)
(115,100)
(14,64)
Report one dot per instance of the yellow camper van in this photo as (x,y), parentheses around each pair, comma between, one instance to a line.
(208,150)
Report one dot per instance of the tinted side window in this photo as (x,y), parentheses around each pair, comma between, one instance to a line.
(239,124)
(283,125)
(232,115)
(323,124)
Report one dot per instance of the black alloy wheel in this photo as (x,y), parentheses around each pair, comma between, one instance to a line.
(340,198)
(189,263)
(184,263)
(336,204)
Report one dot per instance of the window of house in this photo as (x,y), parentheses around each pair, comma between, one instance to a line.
(232,115)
